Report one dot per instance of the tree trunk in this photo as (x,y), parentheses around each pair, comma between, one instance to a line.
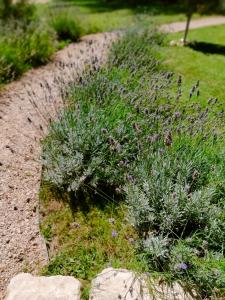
(187,27)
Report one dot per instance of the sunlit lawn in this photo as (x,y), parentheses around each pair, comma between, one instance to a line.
(195,65)
(110,17)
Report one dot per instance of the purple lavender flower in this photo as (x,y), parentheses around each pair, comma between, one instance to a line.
(104,131)
(168,139)
(130,178)
(154,138)
(182,266)
(179,81)
(177,114)
(174,195)
(146,111)
(114,234)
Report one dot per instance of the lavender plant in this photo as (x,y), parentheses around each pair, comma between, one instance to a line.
(128,132)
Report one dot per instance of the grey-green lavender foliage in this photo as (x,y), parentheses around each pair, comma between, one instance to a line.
(127,132)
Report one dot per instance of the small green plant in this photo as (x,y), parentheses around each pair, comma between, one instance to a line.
(23,47)
(40,45)
(66,24)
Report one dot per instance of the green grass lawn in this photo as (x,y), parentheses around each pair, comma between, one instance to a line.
(110,17)
(195,65)
(82,242)
(54,25)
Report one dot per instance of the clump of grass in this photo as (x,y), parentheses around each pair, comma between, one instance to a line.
(23,47)
(67,24)
(128,134)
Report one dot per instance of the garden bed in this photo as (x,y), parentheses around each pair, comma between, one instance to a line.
(138,172)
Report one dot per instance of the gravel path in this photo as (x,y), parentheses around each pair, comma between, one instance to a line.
(180,26)
(26,106)
(25,109)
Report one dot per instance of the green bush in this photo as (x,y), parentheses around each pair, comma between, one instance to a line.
(23,11)
(90,147)
(66,24)
(180,186)
(39,45)
(29,40)
(20,11)
(23,47)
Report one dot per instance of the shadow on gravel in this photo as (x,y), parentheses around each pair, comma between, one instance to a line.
(207,48)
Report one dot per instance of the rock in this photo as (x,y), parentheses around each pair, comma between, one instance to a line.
(178,43)
(173,43)
(24,286)
(114,284)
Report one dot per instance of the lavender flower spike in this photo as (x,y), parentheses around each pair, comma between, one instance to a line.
(114,233)
(182,266)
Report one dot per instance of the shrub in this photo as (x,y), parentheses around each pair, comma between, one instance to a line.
(39,44)
(86,146)
(177,186)
(23,47)
(23,11)
(66,24)
(92,144)
(176,201)
(20,11)
(136,50)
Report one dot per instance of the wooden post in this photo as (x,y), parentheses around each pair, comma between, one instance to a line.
(187,27)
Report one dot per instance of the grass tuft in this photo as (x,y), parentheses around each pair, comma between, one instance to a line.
(67,24)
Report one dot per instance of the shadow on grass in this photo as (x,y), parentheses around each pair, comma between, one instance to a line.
(99,197)
(83,199)
(207,48)
(143,6)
